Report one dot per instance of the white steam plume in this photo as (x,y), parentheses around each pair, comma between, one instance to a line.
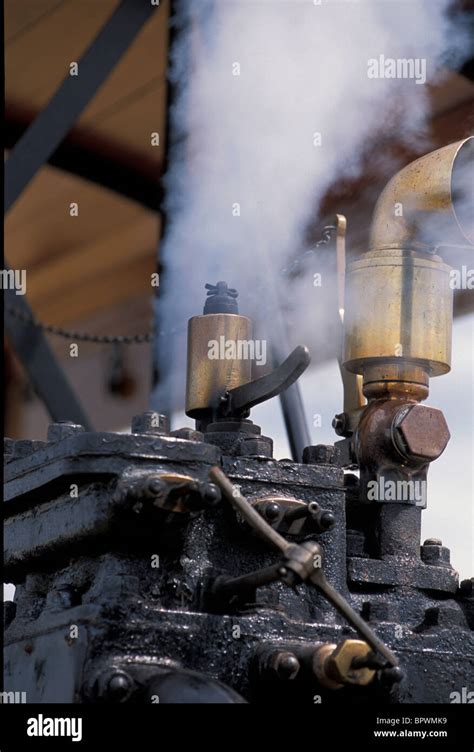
(258,82)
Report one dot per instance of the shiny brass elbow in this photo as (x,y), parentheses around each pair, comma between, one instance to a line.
(399,299)
(422,206)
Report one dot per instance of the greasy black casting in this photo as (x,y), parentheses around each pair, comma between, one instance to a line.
(115,543)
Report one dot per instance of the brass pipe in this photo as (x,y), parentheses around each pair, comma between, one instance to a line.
(423,200)
(398,315)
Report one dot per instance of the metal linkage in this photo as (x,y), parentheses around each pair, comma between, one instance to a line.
(301,563)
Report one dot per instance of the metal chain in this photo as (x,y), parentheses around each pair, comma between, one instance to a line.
(150,336)
(102,339)
(299,262)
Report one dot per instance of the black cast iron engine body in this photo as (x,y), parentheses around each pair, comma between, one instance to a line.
(114,541)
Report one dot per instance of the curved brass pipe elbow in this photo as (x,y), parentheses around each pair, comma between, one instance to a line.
(399,295)
(424,205)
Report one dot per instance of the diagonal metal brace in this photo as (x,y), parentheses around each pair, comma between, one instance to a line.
(33,150)
(53,123)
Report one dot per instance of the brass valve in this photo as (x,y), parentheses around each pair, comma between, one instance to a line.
(219,385)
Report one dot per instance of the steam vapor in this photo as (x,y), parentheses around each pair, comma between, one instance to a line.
(274,103)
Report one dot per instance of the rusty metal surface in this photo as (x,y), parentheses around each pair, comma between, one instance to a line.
(421,431)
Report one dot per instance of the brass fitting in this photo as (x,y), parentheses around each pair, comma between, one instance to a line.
(333,665)
(426,189)
(398,315)
(209,378)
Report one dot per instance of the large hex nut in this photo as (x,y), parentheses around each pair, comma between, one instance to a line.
(420,432)
(339,664)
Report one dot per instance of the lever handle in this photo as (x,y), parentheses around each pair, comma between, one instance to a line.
(248,395)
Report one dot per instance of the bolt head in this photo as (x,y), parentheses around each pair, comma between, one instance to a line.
(435,553)
(466,588)
(118,686)
(114,685)
(421,432)
(187,433)
(151,422)
(212,493)
(256,446)
(156,486)
(271,510)
(62,429)
(327,520)
(286,665)
(318,454)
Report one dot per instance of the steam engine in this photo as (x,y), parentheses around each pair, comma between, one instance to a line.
(190,566)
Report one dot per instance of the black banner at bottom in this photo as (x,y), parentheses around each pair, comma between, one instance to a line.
(62,727)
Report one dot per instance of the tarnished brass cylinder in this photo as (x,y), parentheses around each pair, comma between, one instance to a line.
(210,371)
(398,318)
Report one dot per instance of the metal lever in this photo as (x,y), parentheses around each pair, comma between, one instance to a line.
(352,383)
(301,563)
(243,397)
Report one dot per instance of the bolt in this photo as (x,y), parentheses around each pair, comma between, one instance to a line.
(271,510)
(63,429)
(212,493)
(433,552)
(118,687)
(285,665)
(327,520)
(155,486)
(339,663)
(151,423)
(256,446)
(114,686)
(420,432)
(187,433)
(466,588)
(339,424)
(319,454)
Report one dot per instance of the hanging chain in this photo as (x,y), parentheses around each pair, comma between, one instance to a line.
(100,339)
(298,263)
(150,336)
